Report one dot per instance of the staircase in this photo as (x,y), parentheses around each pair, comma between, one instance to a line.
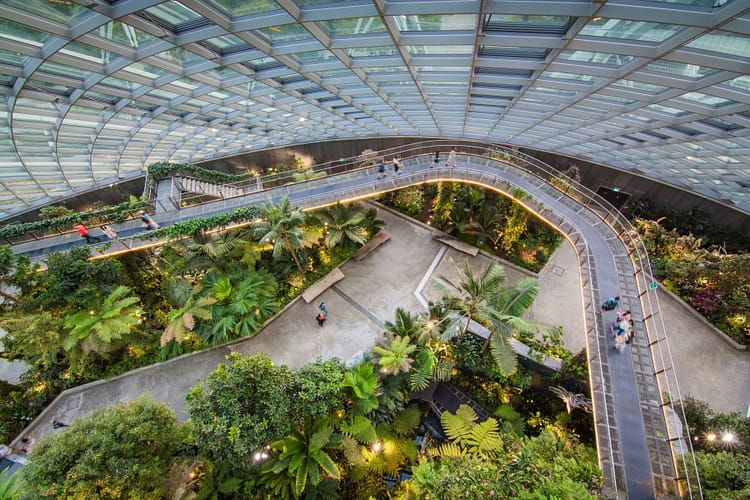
(215,189)
(448,397)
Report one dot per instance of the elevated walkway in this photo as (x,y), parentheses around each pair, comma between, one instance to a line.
(639,456)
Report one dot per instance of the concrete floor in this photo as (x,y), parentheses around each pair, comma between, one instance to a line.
(707,367)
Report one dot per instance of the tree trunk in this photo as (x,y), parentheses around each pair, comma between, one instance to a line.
(8,296)
(294,255)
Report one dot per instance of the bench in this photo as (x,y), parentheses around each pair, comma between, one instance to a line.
(322,285)
(456,243)
(371,245)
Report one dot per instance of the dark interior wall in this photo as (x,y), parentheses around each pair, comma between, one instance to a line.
(593,176)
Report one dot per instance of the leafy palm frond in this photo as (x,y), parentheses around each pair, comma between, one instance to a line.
(503,354)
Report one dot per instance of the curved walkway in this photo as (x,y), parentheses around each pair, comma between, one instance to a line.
(634,443)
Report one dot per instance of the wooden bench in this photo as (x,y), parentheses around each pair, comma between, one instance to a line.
(456,243)
(371,245)
(322,285)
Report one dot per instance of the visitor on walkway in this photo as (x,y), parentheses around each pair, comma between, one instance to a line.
(623,339)
(451,158)
(436,160)
(57,424)
(323,308)
(29,442)
(321,317)
(84,233)
(148,222)
(107,229)
(611,303)
(381,170)
(396,166)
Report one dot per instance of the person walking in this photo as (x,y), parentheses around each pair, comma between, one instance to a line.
(451,158)
(396,166)
(148,222)
(381,170)
(323,308)
(107,229)
(84,233)
(611,303)
(321,317)
(436,160)
(57,424)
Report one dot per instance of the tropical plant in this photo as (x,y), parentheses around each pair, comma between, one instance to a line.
(9,485)
(302,460)
(98,330)
(363,383)
(393,354)
(572,400)
(191,306)
(344,225)
(282,229)
(116,452)
(469,436)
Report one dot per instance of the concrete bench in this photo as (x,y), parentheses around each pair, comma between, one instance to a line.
(456,243)
(322,285)
(371,245)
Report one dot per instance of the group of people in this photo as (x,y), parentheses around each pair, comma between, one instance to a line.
(83,232)
(383,172)
(621,328)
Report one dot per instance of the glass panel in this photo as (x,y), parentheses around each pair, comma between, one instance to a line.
(594,57)
(180,56)
(87,52)
(666,109)
(699,3)
(314,56)
(123,33)
(62,70)
(434,22)
(440,49)
(227,44)
(388,50)
(173,13)
(284,33)
(560,92)
(741,82)
(12,58)
(526,23)
(630,84)
(20,33)
(382,69)
(680,69)
(723,43)
(630,30)
(118,82)
(567,76)
(354,26)
(451,69)
(144,70)
(638,118)
(62,11)
(618,100)
(244,8)
(706,99)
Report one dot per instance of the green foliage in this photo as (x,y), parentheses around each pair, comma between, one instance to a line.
(409,200)
(241,407)
(476,438)
(393,355)
(97,330)
(516,223)
(363,383)
(192,226)
(724,475)
(317,390)
(119,452)
(344,225)
(282,228)
(161,170)
(65,222)
(9,485)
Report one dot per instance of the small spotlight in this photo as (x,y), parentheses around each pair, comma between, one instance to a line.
(377,446)
(727,437)
(711,437)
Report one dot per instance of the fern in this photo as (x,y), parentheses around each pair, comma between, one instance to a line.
(406,421)
(361,429)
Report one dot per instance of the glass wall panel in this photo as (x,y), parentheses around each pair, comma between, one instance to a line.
(594,57)
(173,13)
(723,43)
(388,50)
(239,8)
(706,99)
(15,32)
(87,52)
(284,33)
(353,26)
(440,49)
(666,109)
(680,69)
(568,76)
(62,11)
(123,33)
(741,82)
(631,84)
(436,22)
(629,30)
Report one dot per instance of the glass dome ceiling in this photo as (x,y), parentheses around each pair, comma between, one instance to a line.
(92,91)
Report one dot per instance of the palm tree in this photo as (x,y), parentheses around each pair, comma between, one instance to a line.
(344,225)
(282,228)
(393,354)
(95,331)
(488,301)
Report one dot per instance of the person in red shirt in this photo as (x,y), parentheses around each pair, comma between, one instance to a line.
(84,233)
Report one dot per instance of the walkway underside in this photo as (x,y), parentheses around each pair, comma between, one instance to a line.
(636,449)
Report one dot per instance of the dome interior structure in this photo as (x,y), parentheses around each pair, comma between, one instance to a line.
(93,91)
